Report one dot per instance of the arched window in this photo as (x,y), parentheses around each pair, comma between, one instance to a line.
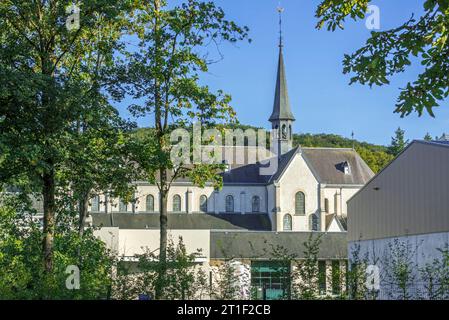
(149,203)
(313,222)
(326,205)
(203,203)
(287,222)
(122,206)
(229,203)
(300,203)
(290,131)
(284,131)
(176,203)
(255,204)
(95,206)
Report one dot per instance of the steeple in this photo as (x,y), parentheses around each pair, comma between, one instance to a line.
(281,107)
(282,116)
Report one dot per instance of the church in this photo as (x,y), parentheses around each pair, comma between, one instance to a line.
(306,194)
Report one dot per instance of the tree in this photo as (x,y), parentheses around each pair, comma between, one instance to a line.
(162,74)
(400,270)
(356,275)
(23,276)
(229,283)
(435,277)
(428,137)
(308,275)
(390,52)
(398,142)
(41,96)
(180,282)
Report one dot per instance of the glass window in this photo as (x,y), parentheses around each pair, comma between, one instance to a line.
(270,280)
(300,203)
(203,203)
(256,204)
(322,277)
(326,205)
(313,222)
(95,206)
(336,277)
(149,203)
(229,203)
(176,203)
(287,222)
(122,206)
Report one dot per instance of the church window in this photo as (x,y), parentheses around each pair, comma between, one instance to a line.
(336,277)
(287,222)
(122,206)
(326,205)
(290,131)
(203,203)
(322,277)
(284,131)
(150,203)
(256,204)
(95,206)
(229,203)
(313,222)
(176,203)
(300,203)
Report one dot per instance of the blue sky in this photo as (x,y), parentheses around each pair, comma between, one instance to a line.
(321,98)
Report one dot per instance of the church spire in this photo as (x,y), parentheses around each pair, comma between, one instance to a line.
(281,107)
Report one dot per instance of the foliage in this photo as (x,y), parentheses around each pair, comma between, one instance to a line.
(22,274)
(390,52)
(50,77)
(435,277)
(183,280)
(356,275)
(231,281)
(162,74)
(398,142)
(307,273)
(400,270)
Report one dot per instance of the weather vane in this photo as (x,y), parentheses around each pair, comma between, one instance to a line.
(280,10)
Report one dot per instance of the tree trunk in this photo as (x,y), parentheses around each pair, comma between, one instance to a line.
(163,235)
(49,219)
(83,211)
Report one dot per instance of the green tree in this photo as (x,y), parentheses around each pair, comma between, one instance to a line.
(307,271)
(428,137)
(398,142)
(42,92)
(22,274)
(180,282)
(390,52)
(162,74)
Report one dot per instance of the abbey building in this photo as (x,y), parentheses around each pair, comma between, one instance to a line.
(307,193)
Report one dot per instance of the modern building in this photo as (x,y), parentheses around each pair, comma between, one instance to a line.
(403,213)
(306,193)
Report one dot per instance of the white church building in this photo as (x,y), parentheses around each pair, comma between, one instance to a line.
(307,193)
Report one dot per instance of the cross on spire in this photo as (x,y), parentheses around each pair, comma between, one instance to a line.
(280,10)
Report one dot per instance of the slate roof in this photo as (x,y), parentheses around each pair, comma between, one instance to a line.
(281,107)
(255,245)
(183,221)
(327,164)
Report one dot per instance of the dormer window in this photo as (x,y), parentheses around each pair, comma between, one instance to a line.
(346,168)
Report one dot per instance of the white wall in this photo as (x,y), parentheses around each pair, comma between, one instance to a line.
(298,177)
(422,249)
